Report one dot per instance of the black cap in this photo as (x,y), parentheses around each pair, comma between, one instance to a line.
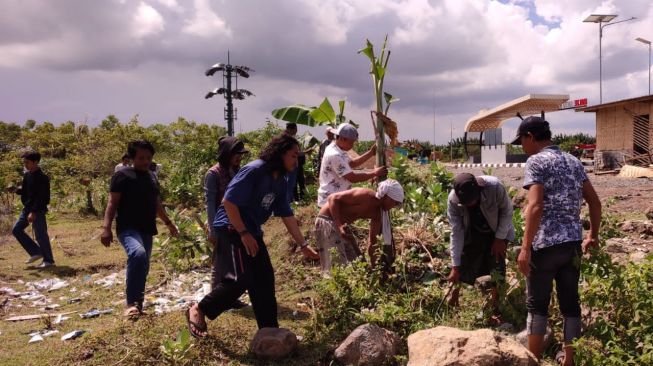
(466,188)
(531,124)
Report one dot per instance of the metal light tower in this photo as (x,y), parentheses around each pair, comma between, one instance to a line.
(229,72)
(647,42)
(600,19)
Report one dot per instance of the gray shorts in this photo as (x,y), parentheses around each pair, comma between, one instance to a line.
(328,237)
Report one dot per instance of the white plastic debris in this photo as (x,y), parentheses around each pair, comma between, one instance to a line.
(59,319)
(50,307)
(32,296)
(9,292)
(72,335)
(40,335)
(111,279)
(48,284)
(95,313)
(35,338)
(49,333)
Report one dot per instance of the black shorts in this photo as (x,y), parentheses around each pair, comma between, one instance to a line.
(477,259)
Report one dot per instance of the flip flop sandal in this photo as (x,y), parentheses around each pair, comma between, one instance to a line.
(560,357)
(194,325)
(132,312)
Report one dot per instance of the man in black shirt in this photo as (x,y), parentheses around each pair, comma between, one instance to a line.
(35,196)
(135,197)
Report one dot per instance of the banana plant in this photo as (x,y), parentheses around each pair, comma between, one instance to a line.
(322,115)
(378,70)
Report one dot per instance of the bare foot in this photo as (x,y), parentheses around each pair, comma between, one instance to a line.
(453,300)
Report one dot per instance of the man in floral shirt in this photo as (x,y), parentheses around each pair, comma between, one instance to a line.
(553,237)
(336,171)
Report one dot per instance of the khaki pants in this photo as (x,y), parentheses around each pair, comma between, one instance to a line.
(328,237)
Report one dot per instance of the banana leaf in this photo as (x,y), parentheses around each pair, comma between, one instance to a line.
(298,113)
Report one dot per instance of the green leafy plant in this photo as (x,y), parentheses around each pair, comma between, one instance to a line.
(324,114)
(191,248)
(176,352)
(618,331)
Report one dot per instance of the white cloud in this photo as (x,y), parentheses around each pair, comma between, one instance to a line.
(206,23)
(474,54)
(172,4)
(147,21)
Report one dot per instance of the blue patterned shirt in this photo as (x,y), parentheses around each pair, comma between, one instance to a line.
(562,176)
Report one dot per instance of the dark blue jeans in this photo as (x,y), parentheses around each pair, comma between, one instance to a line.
(138,246)
(40,233)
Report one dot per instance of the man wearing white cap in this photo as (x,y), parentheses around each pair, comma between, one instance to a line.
(343,208)
(336,170)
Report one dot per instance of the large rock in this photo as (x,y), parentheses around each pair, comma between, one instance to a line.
(484,283)
(273,343)
(445,346)
(649,213)
(640,227)
(368,344)
(618,245)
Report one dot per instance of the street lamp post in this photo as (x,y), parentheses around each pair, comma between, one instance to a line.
(647,42)
(600,19)
(229,72)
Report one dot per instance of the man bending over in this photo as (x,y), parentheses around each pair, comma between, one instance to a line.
(342,209)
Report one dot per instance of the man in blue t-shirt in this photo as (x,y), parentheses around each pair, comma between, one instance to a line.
(553,237)
(257,191)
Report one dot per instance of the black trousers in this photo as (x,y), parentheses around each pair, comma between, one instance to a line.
(238,272)
(477,259)
(560,263)
(300,188)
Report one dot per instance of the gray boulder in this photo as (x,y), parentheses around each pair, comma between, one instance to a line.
(369,345)
(273,343)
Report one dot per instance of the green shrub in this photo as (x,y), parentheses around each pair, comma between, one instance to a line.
(175,352)
(619,312)
(190,249)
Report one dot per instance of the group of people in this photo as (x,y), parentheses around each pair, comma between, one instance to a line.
(480,214)
(239,200)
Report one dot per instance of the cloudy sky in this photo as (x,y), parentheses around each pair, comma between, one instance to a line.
(83,60)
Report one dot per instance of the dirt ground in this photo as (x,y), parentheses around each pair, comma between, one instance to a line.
(625,199)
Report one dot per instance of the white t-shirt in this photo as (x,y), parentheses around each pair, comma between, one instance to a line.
(335,165)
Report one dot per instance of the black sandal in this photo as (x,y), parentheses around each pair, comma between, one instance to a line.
(192,325)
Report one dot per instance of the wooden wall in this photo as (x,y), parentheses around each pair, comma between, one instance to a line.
(614,126)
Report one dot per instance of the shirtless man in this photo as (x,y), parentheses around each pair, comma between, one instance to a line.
(342,209)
